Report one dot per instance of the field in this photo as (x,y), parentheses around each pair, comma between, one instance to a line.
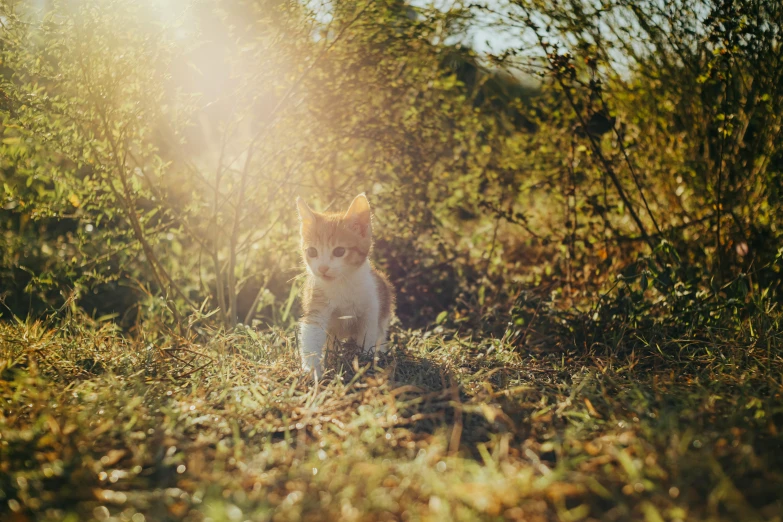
(96,426)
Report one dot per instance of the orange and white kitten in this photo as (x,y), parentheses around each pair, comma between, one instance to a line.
(345,297)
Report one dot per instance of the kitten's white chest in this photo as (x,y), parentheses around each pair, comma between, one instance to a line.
(353,294)
(353,303)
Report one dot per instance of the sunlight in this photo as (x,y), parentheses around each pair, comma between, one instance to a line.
(394,260)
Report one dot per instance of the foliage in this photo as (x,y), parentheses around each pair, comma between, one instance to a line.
(171,183)
(215,226)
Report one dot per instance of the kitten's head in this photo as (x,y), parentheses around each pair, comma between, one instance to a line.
(334,244)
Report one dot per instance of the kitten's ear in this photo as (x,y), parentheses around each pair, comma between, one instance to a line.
(358,215)
(305,214)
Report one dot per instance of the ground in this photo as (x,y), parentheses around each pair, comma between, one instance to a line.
(98,425)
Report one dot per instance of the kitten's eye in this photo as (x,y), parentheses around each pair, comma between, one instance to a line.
(312,252)
(338,252)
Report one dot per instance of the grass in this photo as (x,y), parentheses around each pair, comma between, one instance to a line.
(95,425)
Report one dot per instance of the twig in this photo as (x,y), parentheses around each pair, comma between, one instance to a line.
(456,430)
(492,248)
(594,145)
(251,312)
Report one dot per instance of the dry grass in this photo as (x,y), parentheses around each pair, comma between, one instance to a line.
(97,426)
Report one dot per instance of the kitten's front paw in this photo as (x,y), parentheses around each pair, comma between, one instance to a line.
(313,366)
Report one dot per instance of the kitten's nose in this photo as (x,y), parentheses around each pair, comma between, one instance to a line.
(323,269)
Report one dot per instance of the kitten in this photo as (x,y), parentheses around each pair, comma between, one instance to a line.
(345,297)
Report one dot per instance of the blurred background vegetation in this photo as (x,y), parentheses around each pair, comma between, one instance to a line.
(151,152)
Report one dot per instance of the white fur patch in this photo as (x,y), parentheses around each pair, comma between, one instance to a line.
(312,338)
(352,297)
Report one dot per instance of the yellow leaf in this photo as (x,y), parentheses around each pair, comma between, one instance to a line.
(591,409)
